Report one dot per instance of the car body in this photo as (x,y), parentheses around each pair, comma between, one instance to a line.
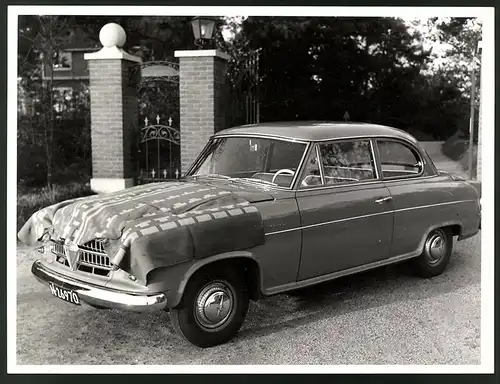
(265,209)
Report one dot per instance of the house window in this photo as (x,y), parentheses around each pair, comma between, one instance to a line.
(62,61)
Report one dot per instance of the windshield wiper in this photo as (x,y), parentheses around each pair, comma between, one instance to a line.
(255,180)
(213,175)
(251,179)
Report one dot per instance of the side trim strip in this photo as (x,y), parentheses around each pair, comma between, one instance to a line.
(335,275)
(365,216)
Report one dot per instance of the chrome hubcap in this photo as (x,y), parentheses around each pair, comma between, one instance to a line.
(435,247)
(214,305)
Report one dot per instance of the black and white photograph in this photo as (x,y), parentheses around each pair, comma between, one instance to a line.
(256,189)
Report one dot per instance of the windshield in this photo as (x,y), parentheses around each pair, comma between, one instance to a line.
(259,160)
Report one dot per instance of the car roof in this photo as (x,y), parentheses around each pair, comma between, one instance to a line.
(316,130)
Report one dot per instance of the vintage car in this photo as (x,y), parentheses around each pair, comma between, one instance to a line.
(265,209)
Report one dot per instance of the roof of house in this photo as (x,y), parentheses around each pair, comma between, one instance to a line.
(80,41)
(316,130)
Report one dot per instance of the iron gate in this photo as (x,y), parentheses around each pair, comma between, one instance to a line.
(159,151)
(243,80)
(158,140)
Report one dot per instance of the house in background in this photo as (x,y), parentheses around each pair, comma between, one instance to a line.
(69,72)
(70,68)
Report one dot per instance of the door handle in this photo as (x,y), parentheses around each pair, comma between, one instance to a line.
(384,200)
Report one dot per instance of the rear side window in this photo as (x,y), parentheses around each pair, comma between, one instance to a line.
(347,162)
(398,160)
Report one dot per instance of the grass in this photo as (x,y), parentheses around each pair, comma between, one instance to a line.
(30,200)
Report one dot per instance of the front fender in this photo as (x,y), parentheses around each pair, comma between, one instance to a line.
(174,279)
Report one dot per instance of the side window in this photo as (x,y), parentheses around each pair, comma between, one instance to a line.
(312,173)
(347,162)
(398,160)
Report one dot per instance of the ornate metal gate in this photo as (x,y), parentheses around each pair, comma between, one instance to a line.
(158,140)
(159,151)
(243,79)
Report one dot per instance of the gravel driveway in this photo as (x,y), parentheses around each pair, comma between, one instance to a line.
(385,316)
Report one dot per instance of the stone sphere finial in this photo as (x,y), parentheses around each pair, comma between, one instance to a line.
(112,35)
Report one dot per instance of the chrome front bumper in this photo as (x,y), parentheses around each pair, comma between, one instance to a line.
(98,295)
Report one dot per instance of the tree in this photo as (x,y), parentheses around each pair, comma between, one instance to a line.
(319,68)
(41,39)
(453,60)
(459,36)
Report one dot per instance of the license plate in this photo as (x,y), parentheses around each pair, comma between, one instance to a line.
(64,294)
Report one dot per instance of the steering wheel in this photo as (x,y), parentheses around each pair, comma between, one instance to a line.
(282,171)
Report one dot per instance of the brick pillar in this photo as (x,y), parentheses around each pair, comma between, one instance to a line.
(202,77)
(113,111)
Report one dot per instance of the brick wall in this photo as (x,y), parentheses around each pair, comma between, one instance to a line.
(201,90)
(113,115)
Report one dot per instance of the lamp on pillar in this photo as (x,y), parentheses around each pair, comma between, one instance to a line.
(203,30)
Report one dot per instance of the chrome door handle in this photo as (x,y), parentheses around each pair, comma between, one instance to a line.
(384,200)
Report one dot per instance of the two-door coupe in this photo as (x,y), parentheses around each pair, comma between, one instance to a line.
(264,209)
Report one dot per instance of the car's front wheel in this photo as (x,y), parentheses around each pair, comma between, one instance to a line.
(436,254)
(213,308)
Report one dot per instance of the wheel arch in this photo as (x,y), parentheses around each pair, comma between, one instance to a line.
(456,227)
(243,260)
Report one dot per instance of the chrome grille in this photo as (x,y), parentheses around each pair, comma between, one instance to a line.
(95,259)
(92,257)
(94,246)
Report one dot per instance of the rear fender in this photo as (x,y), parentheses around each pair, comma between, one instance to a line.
(477,186)
(440,225)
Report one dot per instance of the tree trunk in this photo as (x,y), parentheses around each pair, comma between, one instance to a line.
(49,128)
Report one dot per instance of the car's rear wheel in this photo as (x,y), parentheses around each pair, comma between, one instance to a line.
(213,308)
(436,254)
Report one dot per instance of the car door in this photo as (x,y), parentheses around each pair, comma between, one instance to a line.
(346,210)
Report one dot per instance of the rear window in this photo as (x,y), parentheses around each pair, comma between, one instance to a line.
(398,160)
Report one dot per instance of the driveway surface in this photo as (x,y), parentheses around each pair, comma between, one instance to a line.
(385,316)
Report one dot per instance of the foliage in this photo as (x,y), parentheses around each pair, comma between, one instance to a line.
(460,57)
(71,148)
(376,69)
(47,36)
(452,65)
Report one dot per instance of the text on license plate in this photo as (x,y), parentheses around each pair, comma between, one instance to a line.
(64,294)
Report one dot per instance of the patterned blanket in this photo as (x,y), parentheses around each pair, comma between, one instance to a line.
(153,225)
